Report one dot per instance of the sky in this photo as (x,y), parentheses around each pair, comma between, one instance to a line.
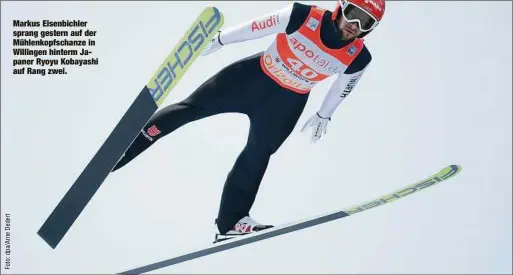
(438,92)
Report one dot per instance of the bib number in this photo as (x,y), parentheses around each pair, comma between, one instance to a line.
(302,69)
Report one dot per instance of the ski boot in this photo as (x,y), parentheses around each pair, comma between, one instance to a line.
(244,226)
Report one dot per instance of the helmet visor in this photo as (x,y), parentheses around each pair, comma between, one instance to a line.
(354,13)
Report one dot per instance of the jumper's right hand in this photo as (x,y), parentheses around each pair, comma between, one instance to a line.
(318,125)
(214,45)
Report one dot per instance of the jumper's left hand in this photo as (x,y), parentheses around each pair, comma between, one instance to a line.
(213,45)
(319,125)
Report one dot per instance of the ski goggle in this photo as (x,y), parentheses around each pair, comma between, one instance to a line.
(353,13)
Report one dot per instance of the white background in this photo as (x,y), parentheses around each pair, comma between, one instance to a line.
(438,92)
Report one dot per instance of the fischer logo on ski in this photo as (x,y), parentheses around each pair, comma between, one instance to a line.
(182,56)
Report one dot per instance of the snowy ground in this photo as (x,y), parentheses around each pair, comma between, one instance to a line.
(438,92)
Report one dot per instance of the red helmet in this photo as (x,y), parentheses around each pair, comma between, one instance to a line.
(368,13)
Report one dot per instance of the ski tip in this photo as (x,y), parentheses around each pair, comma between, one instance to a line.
(213,8)
(447,172)
(455,168)
(216,11)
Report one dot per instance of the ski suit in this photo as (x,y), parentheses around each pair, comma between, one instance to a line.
(271,88)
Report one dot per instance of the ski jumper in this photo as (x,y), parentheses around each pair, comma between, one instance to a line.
(271,88)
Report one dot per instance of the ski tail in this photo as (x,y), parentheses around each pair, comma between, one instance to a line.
(443,175)
(153,94)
